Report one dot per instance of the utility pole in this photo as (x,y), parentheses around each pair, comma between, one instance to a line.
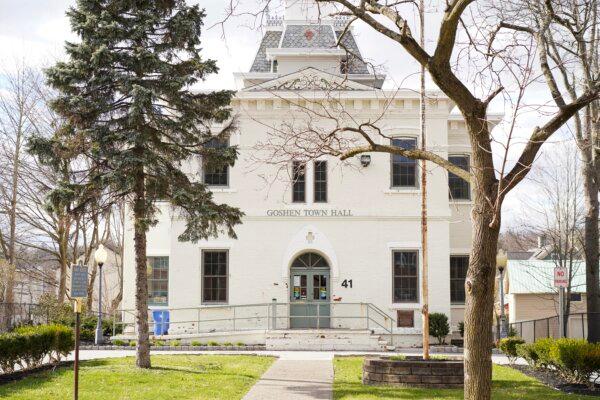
(424,249)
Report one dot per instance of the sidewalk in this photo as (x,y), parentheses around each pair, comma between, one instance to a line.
(297,376)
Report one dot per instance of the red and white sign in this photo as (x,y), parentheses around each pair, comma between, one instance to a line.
(561,277)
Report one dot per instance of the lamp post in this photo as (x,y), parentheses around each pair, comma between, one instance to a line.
(100,258)
(501,261)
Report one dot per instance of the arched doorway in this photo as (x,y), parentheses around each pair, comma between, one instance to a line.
(309,292)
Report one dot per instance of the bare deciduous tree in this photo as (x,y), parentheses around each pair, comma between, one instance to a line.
(473,45)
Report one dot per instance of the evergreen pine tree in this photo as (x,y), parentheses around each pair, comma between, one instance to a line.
(124,92)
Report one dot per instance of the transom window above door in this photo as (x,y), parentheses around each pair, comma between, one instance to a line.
(310,261)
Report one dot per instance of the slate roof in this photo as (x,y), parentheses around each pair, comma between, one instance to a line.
(270,40)
(357,65)
(308,36)
(295,36)
(537,276)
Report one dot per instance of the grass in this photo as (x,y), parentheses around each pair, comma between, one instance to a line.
(171,377)
(507,384)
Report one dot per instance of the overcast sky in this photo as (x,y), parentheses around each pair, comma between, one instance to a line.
(35,31)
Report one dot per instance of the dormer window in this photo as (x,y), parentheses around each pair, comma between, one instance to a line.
(344,66)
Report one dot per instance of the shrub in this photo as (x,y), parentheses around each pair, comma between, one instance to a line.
(212,343)
(56,313)
(509,347)
(461,328)
(529,353)
(542,349)
(175,343)
(132,343)
(119,342)
(438,326)
(157,343)
(240,344)
(196,343)
(576,359)
(28,346)
(228,344)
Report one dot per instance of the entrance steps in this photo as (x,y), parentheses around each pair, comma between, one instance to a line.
(325,339)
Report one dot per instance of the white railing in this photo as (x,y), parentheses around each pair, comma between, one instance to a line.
(266,317)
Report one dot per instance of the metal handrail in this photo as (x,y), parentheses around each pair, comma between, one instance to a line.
(267,319)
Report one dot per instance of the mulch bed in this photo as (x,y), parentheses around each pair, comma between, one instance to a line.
(24,373)
(555,381)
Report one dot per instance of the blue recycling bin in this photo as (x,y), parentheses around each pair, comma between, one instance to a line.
(161,322)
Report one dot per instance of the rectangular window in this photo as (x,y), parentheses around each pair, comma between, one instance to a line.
(405,318)
(458,274)
(404,170)
(459,188)
(299,182)
(320,181)
(158,281)
(406,276)
(214,276)
(216,175)
(575,297)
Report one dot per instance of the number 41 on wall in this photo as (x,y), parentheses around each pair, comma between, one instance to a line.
(347,283)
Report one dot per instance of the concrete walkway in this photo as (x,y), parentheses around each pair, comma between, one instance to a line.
(299,376)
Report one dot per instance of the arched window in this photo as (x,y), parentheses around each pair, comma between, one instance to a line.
(310,261)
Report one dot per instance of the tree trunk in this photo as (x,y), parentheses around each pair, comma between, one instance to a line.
(63,253)
(590,187)
(479,284)
(141,275)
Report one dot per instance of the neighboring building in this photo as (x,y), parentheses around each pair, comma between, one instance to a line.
(340,241)
(530,295)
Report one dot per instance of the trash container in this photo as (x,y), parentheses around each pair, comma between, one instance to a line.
(161,322)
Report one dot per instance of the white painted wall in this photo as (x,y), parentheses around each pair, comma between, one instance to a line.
(358,247)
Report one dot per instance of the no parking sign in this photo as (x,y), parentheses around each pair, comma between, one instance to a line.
(561,277)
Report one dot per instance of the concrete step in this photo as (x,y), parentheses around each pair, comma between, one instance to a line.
(324,340)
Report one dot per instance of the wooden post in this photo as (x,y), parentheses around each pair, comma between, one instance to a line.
(76,363)
(425,256)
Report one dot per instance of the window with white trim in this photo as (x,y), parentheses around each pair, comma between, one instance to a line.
(459,189)
(215,276)
(404,170)
(405,276)
(458,274)
(158,281)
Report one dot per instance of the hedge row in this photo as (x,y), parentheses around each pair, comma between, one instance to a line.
(30,346)
(576,360)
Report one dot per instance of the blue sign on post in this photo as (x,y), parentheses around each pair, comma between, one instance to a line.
(79,281)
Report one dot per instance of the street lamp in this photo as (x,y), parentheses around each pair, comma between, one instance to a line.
(501,261)
(100,258)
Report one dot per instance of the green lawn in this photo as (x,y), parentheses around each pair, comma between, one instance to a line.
(508,384)
(171,377)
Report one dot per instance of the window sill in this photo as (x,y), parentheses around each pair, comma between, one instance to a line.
(406,306)
(457,305)
(217,189)
(402,191)
(464,202)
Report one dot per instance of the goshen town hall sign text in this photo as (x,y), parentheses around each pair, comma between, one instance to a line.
(310,213)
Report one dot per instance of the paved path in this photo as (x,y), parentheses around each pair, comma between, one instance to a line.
(300,376)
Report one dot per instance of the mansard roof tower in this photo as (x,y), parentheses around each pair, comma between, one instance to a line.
(308,37)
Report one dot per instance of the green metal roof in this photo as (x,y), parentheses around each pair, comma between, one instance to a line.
(537,276)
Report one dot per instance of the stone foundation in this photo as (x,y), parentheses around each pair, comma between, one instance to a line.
(414,372)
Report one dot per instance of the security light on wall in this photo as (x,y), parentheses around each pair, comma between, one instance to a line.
(365,160)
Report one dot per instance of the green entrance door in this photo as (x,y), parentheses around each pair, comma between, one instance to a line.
(309,292)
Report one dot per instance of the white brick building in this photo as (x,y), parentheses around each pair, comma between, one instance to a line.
(336,236)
